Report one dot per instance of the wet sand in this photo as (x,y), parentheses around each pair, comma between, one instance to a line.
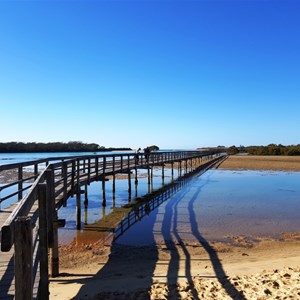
(245,269)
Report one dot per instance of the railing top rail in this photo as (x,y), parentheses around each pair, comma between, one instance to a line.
(91,156)
(23,208)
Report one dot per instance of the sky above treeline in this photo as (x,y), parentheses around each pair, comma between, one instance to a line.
(176,74)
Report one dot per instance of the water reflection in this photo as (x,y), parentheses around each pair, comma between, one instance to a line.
(95,212)
(251,203)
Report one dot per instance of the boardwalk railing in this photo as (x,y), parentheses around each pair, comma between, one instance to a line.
(32,226)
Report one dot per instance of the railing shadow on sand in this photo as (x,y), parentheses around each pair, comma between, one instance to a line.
(169,228)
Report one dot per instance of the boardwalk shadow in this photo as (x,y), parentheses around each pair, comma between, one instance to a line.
(115,275)
(216,263)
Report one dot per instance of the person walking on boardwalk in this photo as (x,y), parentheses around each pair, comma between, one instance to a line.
(136,156)
(147,154)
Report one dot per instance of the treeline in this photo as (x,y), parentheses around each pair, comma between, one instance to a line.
(271,149)
(73,146)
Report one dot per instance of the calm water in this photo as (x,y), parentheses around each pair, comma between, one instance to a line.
(213,206)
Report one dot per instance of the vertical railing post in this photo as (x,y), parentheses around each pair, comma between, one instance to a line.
(73,177)
(52,223)
(129,177)
(78,210)
(96,167)
(50,204)
(43,237)
(89,171)
(65,181)
(114,181)
(36,170)
(20,183)
(103,182)
(114,175)
(23,258)
(78,174)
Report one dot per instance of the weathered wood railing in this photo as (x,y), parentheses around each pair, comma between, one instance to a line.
(32,226)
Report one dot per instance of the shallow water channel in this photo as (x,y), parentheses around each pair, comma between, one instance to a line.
(214,206)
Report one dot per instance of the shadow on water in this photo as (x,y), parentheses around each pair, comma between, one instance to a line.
(174,243)
(217,265)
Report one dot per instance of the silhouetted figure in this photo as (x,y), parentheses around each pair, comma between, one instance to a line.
(136,157)
(147,154)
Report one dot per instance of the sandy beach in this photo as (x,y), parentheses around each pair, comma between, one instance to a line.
(261,268)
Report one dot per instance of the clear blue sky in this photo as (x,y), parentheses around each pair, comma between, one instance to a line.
(177,74)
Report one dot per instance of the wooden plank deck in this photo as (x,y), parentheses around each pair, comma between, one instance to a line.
(7,261)
(7,278)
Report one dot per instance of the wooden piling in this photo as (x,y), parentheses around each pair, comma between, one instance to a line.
(129,178)
(114,178)
(103,183)
(86,201)
(172,171)
(85,214)
(103,192)
(54,254)
(129,184)
(78,210)
(149,178)
(136,177)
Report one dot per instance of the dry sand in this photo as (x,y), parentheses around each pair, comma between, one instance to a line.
(246,269)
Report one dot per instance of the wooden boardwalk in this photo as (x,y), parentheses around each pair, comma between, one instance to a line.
(42,187)
(7,281)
